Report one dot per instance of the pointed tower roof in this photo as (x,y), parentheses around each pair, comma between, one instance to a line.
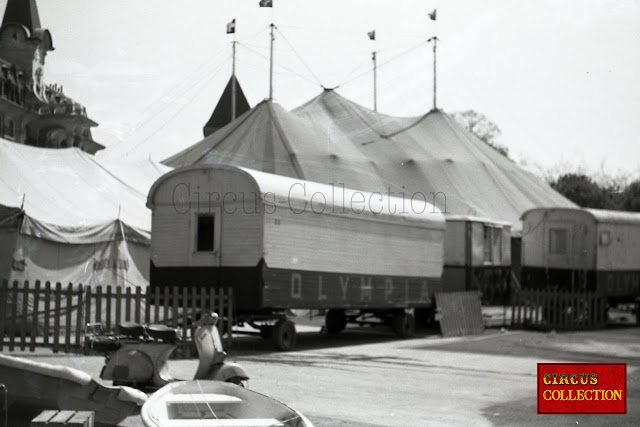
(222,113)
(23,12)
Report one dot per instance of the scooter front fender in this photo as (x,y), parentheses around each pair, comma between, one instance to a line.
(227,371)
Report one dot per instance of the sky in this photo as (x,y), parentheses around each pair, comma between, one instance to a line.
(559,77)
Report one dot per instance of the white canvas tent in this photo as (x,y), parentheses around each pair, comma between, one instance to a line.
(67,217)
(333,140)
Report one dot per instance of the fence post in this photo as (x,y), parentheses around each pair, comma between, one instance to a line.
(56,317)
(220,312)
(47,312)
(3,310)
(24,315)
(195,303)
(98,313)
(118,318)
(184,316)
(230,311)
(14,314)
(87,310)
(34,318)
(167,304)
(127,305)
(79,315)
(67,334)
(138,306)
(147,305)
(174,305)
(109,297)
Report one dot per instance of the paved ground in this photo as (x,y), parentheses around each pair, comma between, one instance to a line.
(366,377)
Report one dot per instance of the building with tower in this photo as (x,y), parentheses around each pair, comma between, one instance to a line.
(32,112)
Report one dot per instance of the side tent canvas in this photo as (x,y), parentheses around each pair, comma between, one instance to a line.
(67,217)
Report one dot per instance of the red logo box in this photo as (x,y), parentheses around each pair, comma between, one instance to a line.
(582,388)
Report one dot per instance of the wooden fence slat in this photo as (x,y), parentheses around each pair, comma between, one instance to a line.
(230,316)
(109,308)
(34,317)
(56,317)
(24,315)
(185,318)
(203,299)
(98,297)
(4,287)
(138,305)
(167,304)
(212,299)
(220,311)
(14,315)
(47,312)
(147,305)
(174,305)
(127,305)
(69,312)
(156,308)
(118,318)
(79,315)
(87,310)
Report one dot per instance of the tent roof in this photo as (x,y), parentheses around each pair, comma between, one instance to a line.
(69,196)
(333,140)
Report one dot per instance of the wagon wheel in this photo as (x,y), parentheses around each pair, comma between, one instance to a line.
(335,321)
(284,335)
(404,325)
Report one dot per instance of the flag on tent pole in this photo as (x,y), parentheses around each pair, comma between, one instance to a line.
(266,3)
(231,27)
(432,15)
(372,35)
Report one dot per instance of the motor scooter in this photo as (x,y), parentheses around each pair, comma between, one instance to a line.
(137,356)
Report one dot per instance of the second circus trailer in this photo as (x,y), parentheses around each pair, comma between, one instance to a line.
(284,243)
(582,249)
(477,256)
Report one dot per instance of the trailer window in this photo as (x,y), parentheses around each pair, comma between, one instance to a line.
(558,241)
(205,230)
(488,253)
(605,238)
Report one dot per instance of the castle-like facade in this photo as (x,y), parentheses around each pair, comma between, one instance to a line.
(32,112)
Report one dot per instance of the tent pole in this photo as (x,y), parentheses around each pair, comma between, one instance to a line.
(233,82)
(271,63)
(435,46)
(375,83)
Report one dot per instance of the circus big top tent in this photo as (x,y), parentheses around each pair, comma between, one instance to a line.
(68,217)
(333,140)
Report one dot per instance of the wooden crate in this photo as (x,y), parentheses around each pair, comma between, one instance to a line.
(53,418)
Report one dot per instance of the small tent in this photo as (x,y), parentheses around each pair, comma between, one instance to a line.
(336,141)
(67,217)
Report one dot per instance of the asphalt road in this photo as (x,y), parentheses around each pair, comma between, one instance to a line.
(366,377)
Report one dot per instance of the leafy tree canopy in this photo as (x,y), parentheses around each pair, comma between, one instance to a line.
(483,128)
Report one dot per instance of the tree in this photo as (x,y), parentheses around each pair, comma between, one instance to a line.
(479,125)
(632,197)
(581,190)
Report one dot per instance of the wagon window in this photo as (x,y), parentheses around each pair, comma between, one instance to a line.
(205,237)
(488,253)
(605,238)
(558,241)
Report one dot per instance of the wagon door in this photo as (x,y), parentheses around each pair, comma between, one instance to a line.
(206,238)
(557,255)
